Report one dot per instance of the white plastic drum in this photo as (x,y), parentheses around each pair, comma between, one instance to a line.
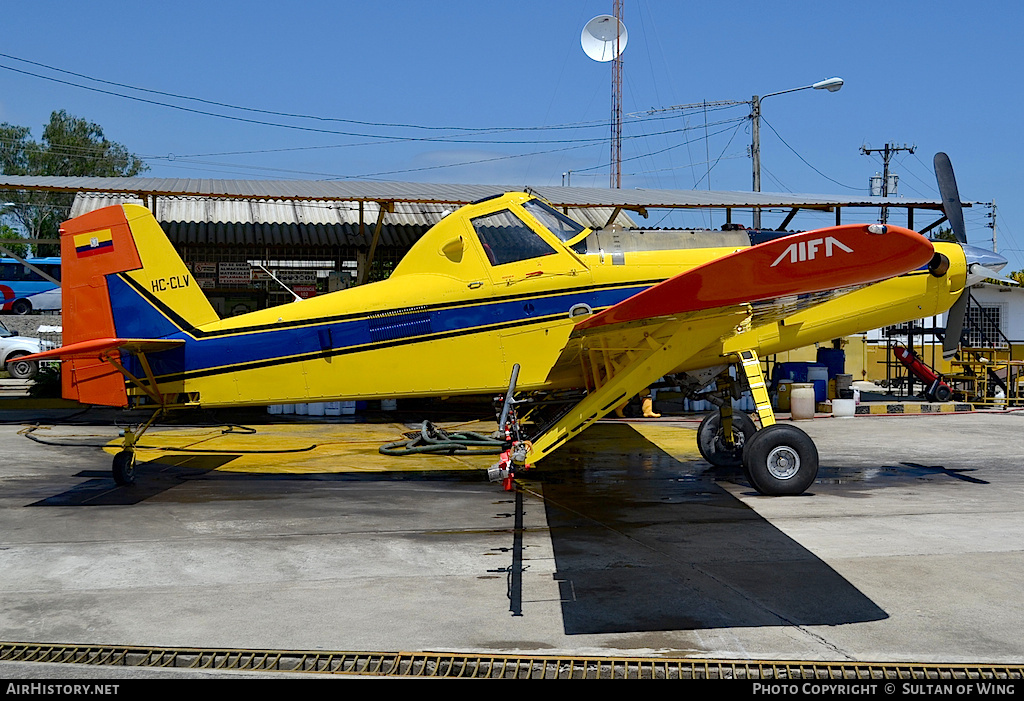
(843,408)
(801,402)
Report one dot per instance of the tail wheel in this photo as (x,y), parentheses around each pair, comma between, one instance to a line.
(711,439)
(124,468)
(780,460)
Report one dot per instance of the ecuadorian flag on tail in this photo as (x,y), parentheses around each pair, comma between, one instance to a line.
(94,243)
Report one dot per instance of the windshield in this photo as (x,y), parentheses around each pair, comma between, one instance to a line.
(4,333)
(506,238)
(560,225)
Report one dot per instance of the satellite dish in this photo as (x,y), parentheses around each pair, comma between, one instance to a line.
(599,38)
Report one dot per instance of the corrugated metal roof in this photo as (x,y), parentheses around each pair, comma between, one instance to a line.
(292,235)
(205,221)
(203,209)
(358,190)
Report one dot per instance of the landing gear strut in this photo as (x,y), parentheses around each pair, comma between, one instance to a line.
(123,467)
(713,445)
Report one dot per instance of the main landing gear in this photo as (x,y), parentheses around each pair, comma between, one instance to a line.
(778,459)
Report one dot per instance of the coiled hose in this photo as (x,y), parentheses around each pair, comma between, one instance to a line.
(432,440)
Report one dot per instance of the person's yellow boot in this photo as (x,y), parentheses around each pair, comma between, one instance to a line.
(648,406)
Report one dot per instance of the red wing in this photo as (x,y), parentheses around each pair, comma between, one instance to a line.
(814,261)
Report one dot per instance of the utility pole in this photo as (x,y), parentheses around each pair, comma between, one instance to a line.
(887,153)
(830,84)
(992,226)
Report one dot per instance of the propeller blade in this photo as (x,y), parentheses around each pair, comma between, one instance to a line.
(955,325)
(950,196)
(978,272)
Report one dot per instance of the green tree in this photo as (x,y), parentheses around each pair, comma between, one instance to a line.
(9,239)
(70,146)
(944,234)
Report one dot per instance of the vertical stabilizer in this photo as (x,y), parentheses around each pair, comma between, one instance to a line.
(167,298)
(120,279)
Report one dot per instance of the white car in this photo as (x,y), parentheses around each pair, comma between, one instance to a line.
(12,348)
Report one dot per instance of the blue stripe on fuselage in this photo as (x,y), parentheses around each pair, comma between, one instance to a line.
(136,317)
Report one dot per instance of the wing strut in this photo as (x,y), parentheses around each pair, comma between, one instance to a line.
(619,370)
(150,389)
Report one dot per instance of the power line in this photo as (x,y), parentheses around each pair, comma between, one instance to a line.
(833,180)
(257,110)
(472,130)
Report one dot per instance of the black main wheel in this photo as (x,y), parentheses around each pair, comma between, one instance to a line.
(780,460)
(711,439)
(124,468)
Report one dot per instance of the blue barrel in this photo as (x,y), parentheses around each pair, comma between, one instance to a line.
(834,359)
(818,376)
(797,372)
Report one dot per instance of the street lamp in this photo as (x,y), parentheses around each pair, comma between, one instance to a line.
(830,84)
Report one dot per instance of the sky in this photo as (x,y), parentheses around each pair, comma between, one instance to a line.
(501,93)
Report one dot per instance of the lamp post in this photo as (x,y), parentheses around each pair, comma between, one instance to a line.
(830,84)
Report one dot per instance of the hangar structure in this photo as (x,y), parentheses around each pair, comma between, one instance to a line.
(317,236)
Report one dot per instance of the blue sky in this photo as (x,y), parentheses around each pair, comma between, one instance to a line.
(517,101)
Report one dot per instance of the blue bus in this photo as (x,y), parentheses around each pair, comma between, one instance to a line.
(24,290)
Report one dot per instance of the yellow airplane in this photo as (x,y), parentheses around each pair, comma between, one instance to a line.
(504,288)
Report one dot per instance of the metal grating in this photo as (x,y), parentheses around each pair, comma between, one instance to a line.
(483,666)
(985,326)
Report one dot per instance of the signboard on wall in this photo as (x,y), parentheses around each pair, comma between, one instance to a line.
(231,273)
(205,274)
(296,276)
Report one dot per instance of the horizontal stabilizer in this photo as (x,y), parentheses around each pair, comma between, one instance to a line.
(95,347)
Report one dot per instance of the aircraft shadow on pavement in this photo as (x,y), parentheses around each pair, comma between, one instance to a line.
(99,489)
(156,476)
(644,542)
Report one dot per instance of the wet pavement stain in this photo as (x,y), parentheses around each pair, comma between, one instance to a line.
(644,542)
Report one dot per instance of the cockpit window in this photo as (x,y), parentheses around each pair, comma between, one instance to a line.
(506,238)
(560,225)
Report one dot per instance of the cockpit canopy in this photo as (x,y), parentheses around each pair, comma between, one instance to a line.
(503,230)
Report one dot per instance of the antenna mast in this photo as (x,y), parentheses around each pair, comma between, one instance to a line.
(616,160)
(603,39)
